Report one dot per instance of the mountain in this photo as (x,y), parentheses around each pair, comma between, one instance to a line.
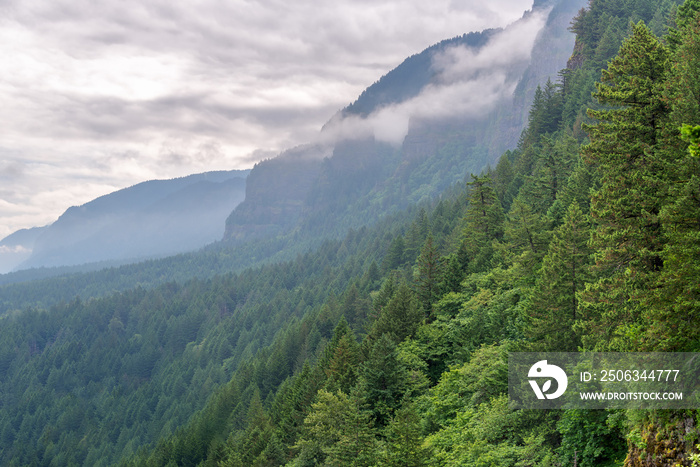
(442,114)
(150,219)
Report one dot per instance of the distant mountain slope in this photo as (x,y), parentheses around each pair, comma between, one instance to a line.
(150,219)
(443,113)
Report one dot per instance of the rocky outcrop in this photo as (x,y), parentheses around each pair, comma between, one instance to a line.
(275,193)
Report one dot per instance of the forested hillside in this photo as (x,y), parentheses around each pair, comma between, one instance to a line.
(390,347)
(582,238)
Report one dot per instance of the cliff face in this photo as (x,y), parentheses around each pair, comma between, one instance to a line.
(275,193)
(667,443)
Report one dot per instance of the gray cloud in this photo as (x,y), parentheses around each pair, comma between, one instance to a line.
(87,85)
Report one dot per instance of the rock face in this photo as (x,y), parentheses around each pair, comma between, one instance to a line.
(667,443)
(275,194)
(151,219)
(359,177)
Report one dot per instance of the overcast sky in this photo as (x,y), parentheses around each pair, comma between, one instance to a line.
(97,96)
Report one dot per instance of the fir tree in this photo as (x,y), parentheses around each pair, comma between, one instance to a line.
(484,219)
(400,317)
(554,307)
(336,432)
(382,383)
(341,371)
(428,274)
(673,310)
(623,149)
(526,235)
(404,441)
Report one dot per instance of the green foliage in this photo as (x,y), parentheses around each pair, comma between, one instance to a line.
(383,380)
(336,432)
(404,441)
(428,274)
(592,437)
(400,318)
(674,303)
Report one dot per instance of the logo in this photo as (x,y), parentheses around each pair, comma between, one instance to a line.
(542,370)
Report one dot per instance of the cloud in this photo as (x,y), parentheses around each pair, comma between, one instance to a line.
(86,85)
(468,83)
(13,249)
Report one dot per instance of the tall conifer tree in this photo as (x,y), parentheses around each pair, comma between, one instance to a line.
(429,269)
(484,219)
(565,269)
(674,310)
(627,238)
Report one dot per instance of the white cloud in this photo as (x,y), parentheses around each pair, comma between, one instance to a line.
(469,83)
(13,250)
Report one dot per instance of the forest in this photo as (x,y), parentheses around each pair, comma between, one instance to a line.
(389,346)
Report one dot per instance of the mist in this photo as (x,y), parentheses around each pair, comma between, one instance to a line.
(467,83)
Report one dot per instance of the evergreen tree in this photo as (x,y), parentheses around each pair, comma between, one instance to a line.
(416,235)
(381,298)
(674,309)
(429,269)
(354,307)
(396,255)
(554,307)
(382,384)
(504,178)
(684,18)
(484,224)
(336,432)
(404,441)
(623,149)
(341,371)
(526,236)
(401,316)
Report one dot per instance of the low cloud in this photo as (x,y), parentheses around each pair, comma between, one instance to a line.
(13,249)
(468,83)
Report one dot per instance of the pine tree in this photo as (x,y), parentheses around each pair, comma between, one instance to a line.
(404,441)
(623,149)
(674,310)
(554,307)
(526,236)
(341,371)
(484,219)
(400,317)
(416,235)
(383,380)
(336,432)
(429,269)
(685,17)
(504,181)
(396,255)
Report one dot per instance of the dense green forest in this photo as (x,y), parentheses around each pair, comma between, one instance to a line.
(390,347)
